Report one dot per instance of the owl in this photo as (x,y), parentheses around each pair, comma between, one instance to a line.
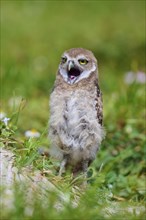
(76,111)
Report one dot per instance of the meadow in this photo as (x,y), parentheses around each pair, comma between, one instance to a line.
(34,34)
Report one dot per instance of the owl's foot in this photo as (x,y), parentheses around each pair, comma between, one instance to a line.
(63,164)
(85,164)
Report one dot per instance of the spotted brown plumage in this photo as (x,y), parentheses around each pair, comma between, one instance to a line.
(99,104)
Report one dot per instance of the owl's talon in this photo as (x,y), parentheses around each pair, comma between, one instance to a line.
(85,165)
(62,165)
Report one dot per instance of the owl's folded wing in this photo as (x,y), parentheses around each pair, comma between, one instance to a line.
(99,104)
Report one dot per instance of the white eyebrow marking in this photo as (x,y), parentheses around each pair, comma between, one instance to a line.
(82,57)
(66,55)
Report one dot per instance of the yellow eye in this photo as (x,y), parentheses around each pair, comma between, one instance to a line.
(83,61)
(63,59)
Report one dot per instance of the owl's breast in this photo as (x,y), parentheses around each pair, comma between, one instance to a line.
(80,105)
(74,127)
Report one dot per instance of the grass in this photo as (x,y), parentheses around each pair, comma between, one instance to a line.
(33,36)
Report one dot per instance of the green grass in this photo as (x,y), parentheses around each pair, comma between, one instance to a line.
(33,36)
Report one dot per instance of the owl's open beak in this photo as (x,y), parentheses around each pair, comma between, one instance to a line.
(73,71)
(70,65)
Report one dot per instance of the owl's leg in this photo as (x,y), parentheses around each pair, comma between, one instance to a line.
(63,164)
(85,166)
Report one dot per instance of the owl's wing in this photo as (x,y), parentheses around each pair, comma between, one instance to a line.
(99,104)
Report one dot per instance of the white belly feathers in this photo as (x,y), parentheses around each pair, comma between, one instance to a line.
(74,128)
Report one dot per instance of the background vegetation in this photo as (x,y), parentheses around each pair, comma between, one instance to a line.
(33,36)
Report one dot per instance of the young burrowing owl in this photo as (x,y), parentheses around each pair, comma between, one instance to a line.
(76,111)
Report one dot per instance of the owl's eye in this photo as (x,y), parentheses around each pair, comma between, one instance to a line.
(63,59)
(83,61)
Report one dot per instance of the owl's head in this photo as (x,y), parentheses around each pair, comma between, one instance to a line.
(77,64)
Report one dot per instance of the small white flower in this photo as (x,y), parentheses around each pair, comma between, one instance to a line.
(129,77)
(110,195)
(5,120)
(110,186)
(32,133)
(141,77)
(138,77)
(2,115)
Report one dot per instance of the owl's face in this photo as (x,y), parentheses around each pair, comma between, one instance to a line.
(77,64)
